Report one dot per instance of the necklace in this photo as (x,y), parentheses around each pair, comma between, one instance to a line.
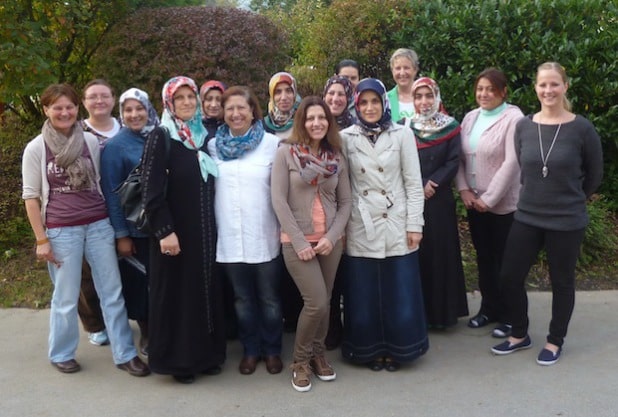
(544,158)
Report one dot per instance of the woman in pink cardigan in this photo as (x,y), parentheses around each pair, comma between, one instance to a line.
(488,183)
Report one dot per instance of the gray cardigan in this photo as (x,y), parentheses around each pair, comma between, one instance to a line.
(34,171)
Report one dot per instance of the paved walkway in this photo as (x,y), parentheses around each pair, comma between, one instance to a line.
(457,377)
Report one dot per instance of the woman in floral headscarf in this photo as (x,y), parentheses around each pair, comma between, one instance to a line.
(383,310)
(438,142)
(120,155)
(284,100)
(187,335)
(210,96)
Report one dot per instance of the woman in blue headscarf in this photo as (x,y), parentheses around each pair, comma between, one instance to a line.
(120,155)
(384,314)
(187,334)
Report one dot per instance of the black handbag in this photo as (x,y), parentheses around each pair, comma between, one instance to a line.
(130,194)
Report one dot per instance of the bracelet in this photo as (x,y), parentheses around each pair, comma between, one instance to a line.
(42,242)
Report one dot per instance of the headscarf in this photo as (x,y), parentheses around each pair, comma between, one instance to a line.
(436,126)
(209,85)
(345,119)
(375,85)
(191,133)
(277,120)
(142,97)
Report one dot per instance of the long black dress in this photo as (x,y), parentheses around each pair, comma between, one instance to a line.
(442,277)
(187,329)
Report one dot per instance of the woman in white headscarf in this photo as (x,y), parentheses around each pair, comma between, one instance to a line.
(120,155)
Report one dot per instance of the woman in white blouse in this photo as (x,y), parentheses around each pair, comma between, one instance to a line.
(247,229)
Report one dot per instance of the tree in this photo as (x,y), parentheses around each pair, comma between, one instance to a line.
(44,42)
(231,45)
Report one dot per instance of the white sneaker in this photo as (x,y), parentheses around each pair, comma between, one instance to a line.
(99,338)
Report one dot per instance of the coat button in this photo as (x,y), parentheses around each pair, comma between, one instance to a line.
(381,169)
(363,170)
(383,192)
(365,192)
(385,215)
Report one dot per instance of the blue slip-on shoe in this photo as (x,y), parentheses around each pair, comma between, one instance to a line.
(501,331)
(506,347)
(547,357)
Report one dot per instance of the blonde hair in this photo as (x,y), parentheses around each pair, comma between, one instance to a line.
(560,70)
(409,54)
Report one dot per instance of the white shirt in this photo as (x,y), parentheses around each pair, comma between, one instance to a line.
(247,228)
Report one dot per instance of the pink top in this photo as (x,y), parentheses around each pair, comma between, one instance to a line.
(497,169)
(319,223)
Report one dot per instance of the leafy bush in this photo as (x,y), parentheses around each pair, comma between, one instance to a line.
(601,240)
(231,45)
(457,39)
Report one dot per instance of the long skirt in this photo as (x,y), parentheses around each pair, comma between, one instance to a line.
(383,310)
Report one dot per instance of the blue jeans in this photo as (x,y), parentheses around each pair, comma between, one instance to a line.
(258,305)
(95,242)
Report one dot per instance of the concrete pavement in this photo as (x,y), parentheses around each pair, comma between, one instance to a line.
(457,377)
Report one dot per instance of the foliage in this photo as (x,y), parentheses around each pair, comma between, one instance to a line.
(231,45)
(44,42)
(601,240)
(456,39)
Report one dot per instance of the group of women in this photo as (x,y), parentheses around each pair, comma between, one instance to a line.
(345,195)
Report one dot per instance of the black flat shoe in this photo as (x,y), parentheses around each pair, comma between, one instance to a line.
(391,365)
(185,379)
(215,370)
(376,365)
(478,321)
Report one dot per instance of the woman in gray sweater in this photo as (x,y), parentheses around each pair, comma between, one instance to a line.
(561,166)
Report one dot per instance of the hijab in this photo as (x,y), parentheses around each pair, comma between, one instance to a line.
(209,85)
(345,119)
(191,133)
(435,126)
(277,120)
(375,85)
(142,97)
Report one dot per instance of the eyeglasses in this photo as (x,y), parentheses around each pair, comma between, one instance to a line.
(98,97)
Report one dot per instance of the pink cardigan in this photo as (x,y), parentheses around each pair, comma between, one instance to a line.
(497,169)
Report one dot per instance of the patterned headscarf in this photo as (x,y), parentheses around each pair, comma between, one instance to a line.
(209,85)
(276,119)
(345,119)
(435,126)
(142,97)
(375,85)
(191,133)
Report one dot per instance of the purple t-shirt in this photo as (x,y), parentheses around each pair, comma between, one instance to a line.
(67,206)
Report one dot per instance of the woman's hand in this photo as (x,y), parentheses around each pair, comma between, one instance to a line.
(306,254)
(430,189)
(480,205)
(125,246)
(468,198)
(324,247)
(44,252)
(169,245)
(414,239)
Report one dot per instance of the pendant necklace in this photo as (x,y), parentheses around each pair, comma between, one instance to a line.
(544,158)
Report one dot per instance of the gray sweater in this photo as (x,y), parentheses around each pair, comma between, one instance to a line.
(575,168)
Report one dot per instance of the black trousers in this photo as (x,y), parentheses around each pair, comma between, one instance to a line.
(522,248)
(489,232)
